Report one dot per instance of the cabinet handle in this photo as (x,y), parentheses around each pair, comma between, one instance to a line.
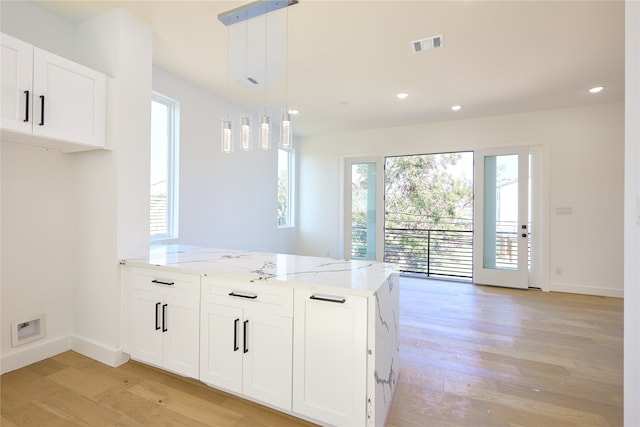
(235,335)
(160,282)
(164,318)
(245,349)
(249,296)
(41,110)
(339,300)
(26,108)
(157,316)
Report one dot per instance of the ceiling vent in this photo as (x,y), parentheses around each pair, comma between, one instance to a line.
(435,42)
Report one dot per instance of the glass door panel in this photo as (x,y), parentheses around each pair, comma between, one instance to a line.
(501,217)
(362,237)
(363,210)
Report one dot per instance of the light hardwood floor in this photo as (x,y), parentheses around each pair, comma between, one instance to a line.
(470,356)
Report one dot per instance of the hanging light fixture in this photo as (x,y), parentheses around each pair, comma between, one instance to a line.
(245,122)
(226,136)
(234,16)
(286,139)
(265,126)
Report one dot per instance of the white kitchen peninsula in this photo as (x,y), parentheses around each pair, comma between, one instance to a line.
(313,337)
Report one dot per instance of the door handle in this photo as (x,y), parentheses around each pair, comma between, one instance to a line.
(157,316)
(328,298)
(235,335)
(164,318)
(160,282)
(524,234)
(249,296)
(245,349)
(26,108)
(41,110)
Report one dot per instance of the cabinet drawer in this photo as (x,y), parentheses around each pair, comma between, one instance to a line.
(168,282)
(258,296)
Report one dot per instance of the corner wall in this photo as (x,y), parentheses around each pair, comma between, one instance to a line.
(112,187)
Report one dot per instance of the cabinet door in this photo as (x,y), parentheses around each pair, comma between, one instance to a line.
(16,60)
(181,331)
(221,346)
(267,363)
(145,323)
(330,358)
(74,100)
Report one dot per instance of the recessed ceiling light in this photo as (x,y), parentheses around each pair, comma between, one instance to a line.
(456,108)
(293,112)
(402,95)
(596,89)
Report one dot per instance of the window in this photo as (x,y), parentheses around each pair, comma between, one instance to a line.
(286,175)
(163,191)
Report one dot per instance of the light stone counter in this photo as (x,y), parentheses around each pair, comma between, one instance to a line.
(356,277)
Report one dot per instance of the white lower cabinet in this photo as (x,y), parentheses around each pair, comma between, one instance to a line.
(294,349)
(330,358)
(162,319)
(246,340)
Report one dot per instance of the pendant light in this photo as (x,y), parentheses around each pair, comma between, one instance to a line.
(226,134)
(265,126)
(286,140)
(235,16)
(245,122)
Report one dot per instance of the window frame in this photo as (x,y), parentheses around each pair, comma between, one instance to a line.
(173,162)
(290,211)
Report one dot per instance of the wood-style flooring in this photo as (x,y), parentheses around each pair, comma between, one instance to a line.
(470,356)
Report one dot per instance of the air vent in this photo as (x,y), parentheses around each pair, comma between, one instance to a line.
(435,42)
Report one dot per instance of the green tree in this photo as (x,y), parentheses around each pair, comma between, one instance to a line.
(424,192)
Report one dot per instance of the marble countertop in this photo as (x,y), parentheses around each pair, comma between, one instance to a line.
(358,276)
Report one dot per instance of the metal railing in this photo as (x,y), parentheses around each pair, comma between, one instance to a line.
(436,253)
(445,253)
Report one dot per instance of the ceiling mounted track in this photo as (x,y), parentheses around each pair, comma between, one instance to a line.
(252,10)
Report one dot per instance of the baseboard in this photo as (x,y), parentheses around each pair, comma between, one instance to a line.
(113,357)
(33,353)
(585,290)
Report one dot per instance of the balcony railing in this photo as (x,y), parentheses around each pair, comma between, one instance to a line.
(436,253)
(445,253)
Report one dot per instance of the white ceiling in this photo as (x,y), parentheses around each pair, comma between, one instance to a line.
(348,59)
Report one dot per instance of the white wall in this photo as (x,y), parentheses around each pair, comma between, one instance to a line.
(101,211)
(38,220)
(37,249)
(583,148)
(226,201)
(112,186)
(632,221)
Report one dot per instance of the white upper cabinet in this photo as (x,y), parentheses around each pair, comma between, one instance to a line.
(50,101)
(17,84)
